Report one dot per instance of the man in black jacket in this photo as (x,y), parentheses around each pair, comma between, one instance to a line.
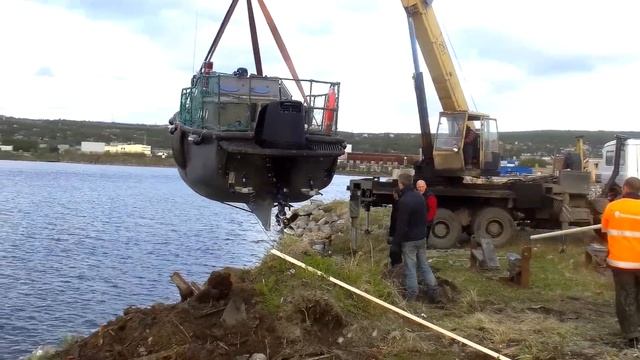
(409,234)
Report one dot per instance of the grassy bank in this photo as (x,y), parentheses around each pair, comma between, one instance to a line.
(567,313)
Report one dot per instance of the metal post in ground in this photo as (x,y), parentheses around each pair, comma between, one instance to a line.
(367,212)
(354,213)
(525,270)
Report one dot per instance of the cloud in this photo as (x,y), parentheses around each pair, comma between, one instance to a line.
(90,58)
(117,9)
(44,71)
(531,66)
(491,45)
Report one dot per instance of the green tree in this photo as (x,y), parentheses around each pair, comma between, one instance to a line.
(22,144)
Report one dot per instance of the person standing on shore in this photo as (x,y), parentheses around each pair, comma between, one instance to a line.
(621,222)
(410,235)
(432,204)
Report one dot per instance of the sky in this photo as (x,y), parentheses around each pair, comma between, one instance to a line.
(571,64)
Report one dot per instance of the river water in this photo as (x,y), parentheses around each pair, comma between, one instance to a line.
(79,243)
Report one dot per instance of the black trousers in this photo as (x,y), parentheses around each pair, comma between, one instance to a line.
(627,284)
(428,233)
(395,254)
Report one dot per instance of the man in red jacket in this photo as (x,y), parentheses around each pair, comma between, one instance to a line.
(431,201)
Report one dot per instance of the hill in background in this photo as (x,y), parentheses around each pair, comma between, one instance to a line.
(29,134)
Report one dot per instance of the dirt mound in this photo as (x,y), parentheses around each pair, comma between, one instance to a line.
(194,329)
(223,321)
(320,315)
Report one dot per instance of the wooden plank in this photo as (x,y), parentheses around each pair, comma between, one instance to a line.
(185,289)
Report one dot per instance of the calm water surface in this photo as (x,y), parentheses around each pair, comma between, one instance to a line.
(78,243)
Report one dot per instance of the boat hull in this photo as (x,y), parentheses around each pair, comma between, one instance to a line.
(231,167)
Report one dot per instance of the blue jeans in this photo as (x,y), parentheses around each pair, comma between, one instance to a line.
(414,255)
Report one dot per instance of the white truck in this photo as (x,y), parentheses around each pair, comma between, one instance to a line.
(629,161)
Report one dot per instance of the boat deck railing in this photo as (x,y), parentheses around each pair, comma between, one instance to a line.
(224,102)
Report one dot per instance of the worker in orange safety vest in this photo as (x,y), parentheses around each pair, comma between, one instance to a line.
(621,222)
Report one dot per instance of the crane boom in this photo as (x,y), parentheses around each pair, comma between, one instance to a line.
(436,55)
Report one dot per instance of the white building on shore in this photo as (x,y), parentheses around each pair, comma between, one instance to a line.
(128,149)
(92,147)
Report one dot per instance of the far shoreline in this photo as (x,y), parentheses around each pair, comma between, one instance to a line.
(133,161)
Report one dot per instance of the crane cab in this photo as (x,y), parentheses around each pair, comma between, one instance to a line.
(466,144)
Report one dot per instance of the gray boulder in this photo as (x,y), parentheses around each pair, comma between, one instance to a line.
(234,313)
(315,236)
(317,214)
(326,229)
(306,210)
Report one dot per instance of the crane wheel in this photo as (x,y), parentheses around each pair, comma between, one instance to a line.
(494,223)
(445,230)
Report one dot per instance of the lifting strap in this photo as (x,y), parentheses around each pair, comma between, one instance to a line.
(282,48)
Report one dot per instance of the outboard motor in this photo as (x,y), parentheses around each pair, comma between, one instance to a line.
(280,125)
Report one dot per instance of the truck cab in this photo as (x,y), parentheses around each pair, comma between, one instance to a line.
(629,161)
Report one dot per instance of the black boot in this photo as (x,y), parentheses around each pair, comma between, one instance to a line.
(433,295)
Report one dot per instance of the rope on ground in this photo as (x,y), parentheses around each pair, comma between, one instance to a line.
(470,343)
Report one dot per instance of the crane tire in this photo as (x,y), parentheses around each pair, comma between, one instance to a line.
(494,223)
(445,230)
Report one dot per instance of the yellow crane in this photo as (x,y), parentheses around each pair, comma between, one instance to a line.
(466,142)
(487,209)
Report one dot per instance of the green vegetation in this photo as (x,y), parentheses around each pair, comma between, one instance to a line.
(77,157)
(28,134)
(513,144)
(567,312)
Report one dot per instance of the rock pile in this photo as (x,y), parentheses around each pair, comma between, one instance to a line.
(317,223)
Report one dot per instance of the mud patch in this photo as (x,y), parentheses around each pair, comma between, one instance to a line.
(555,313)
(320,315)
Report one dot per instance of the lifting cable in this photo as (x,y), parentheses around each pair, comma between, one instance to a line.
(282,47)
(223,26)
(254,41)
(237,207)
(455,56)
(404,313)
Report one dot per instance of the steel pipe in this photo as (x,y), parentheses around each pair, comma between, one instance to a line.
(565,232)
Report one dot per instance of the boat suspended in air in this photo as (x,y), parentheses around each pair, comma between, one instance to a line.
(246,138)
